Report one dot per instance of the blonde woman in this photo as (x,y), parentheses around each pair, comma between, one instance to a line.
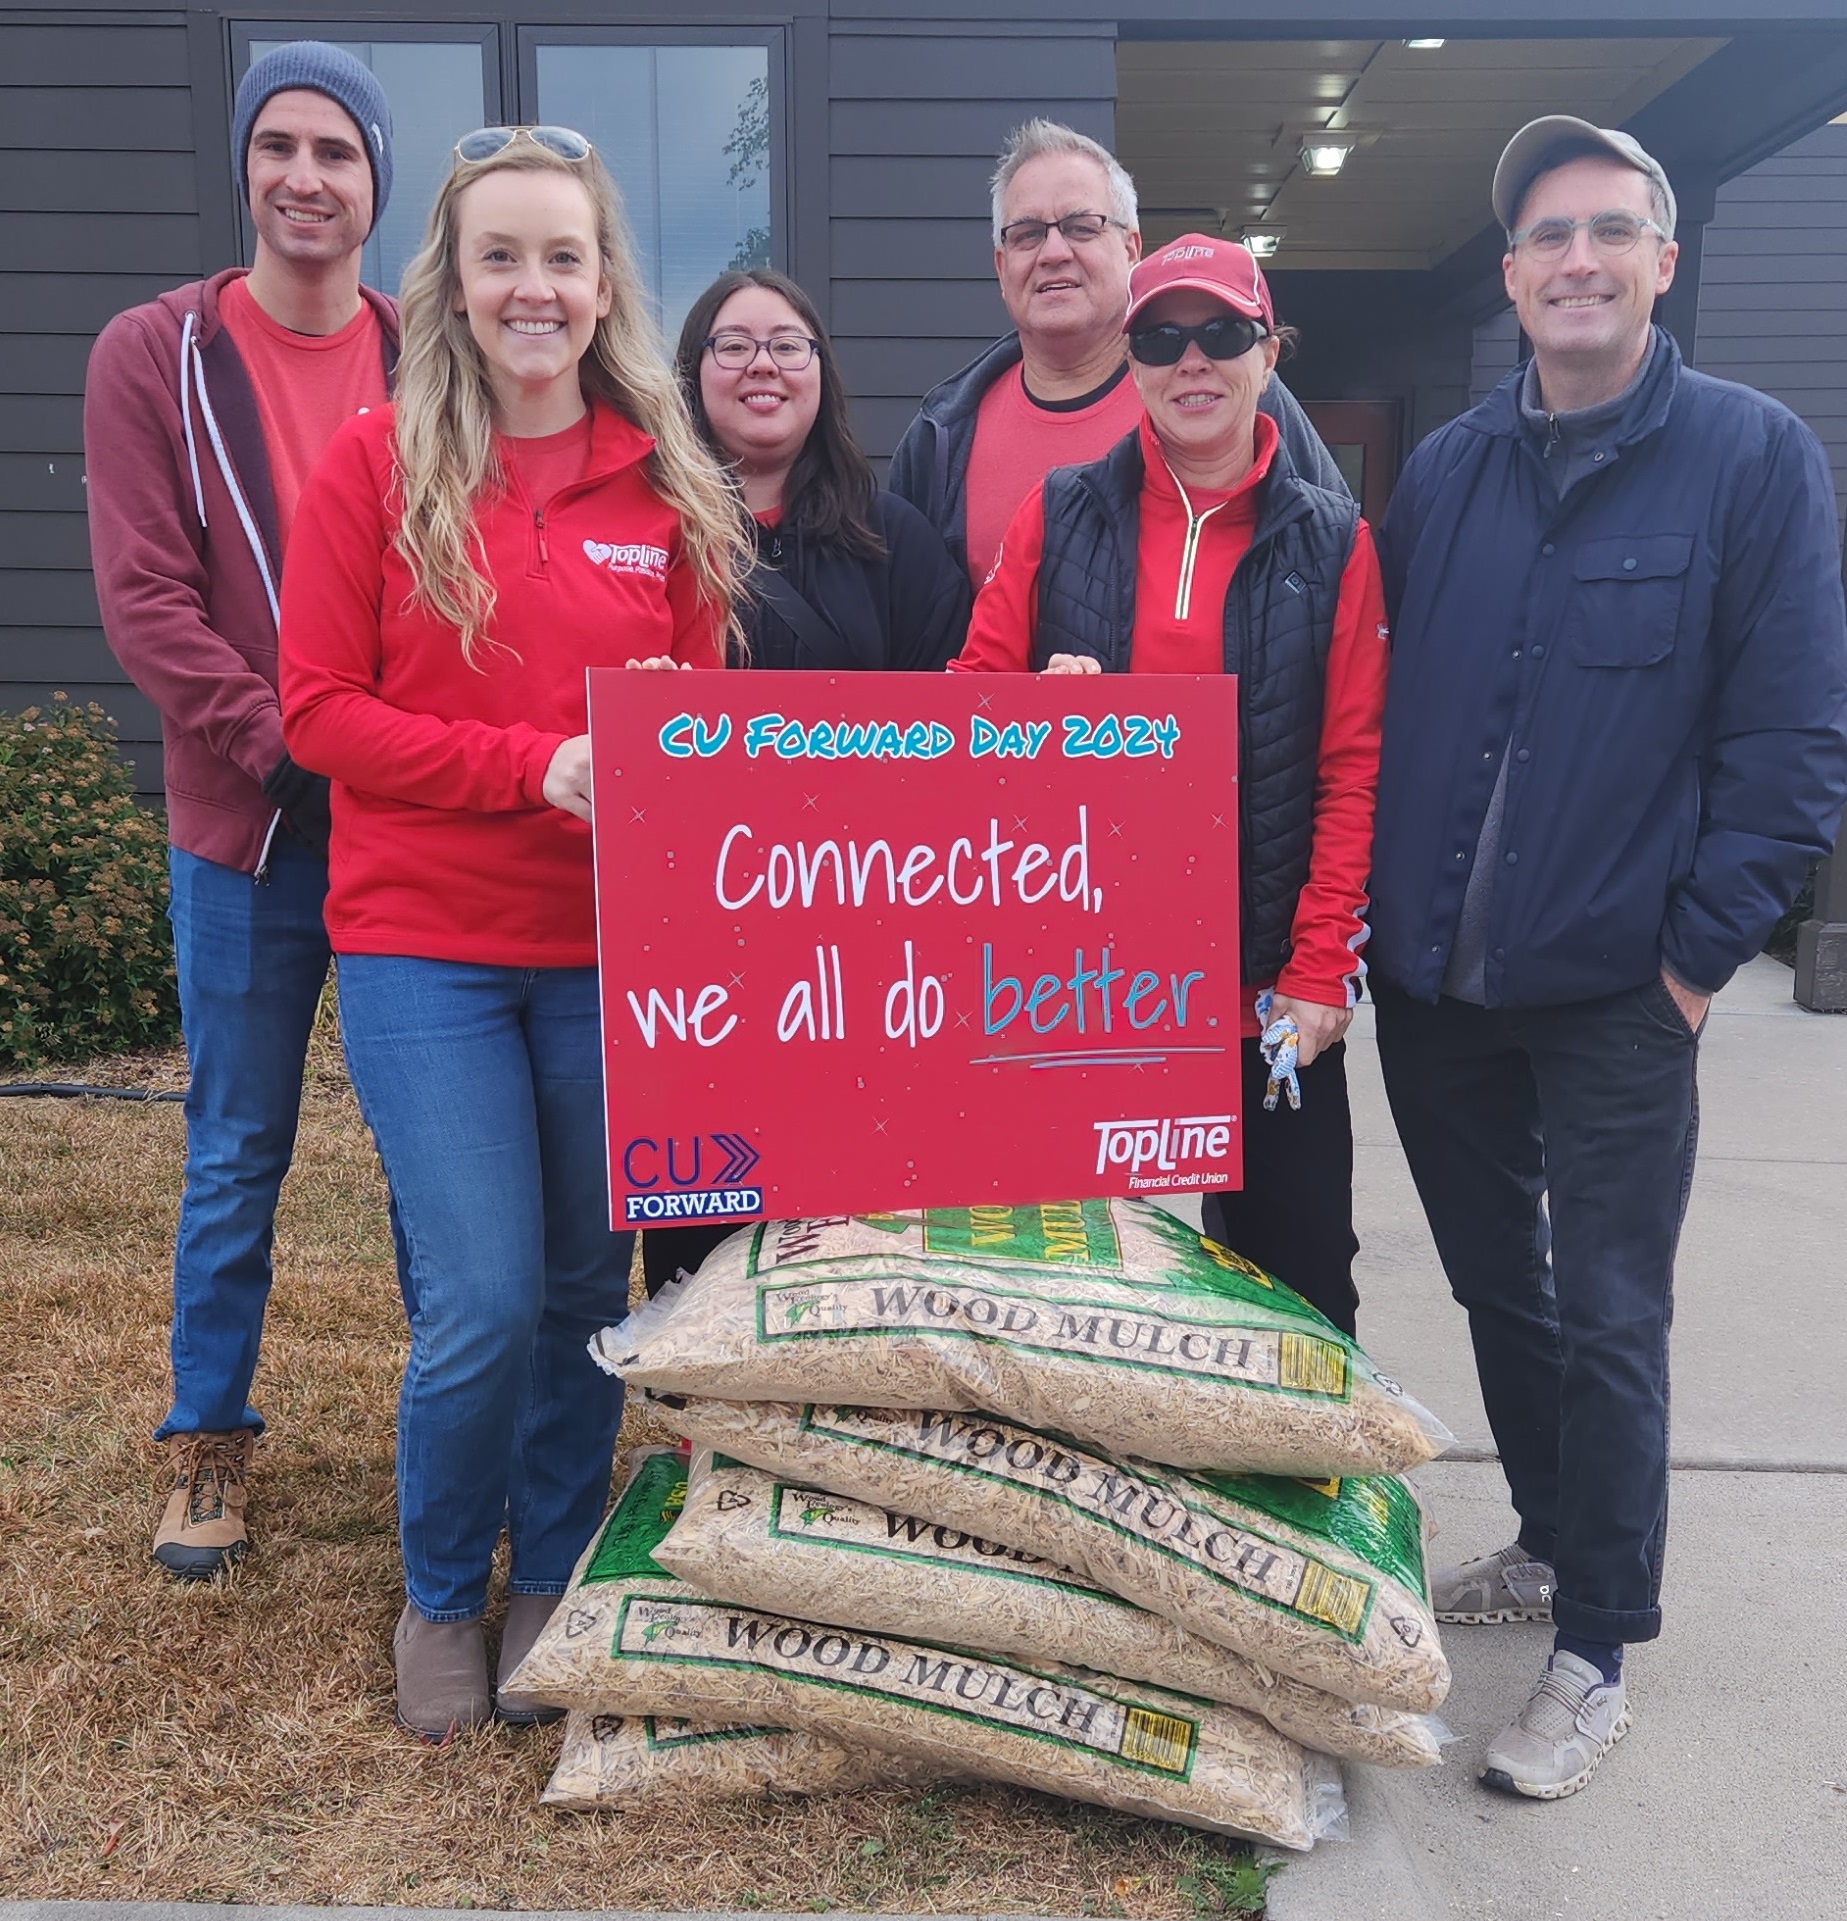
(536,503)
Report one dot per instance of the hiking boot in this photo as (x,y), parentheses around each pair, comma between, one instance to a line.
(202,1531)
(1575,1717)
(526,1618)
(1507,1585)
(442,1675)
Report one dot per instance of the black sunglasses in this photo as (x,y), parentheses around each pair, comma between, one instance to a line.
(1226,338)
(566,142)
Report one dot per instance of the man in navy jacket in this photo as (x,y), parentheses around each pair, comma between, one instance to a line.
(1615,737)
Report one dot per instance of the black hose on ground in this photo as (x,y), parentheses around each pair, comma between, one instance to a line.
(74,1090)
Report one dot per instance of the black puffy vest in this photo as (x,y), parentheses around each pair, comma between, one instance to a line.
(1279,623)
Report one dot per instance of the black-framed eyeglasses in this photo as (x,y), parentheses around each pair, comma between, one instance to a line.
(1079,230)
(1614,232)
(791,352)
(566,142)
(1226,338)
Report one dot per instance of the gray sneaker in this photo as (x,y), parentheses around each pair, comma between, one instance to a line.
(1574,1718)
(1507,1585)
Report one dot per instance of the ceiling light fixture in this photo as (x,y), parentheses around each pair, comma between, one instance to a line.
(1323,158)
(1423,46)
(1262,241)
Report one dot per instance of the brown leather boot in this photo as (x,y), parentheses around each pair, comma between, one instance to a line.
(526,1618)
(442,1675)
(202,1529)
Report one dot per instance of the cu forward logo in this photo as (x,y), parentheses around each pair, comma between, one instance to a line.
(1167,1146)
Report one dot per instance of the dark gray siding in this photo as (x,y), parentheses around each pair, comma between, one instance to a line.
(98,210)
(1773,296)
(917,114)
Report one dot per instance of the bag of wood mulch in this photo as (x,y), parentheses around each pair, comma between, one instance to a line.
(1106,1320)
(630,1761)
(1118,1744)
(1322,1581)
(749,1537)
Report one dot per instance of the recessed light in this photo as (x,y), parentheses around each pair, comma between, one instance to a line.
(1262,241)
(1423,46)
(1324,158)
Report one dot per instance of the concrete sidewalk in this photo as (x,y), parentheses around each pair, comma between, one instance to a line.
(1730,1795)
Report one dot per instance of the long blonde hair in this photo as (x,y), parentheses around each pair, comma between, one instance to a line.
(445,415)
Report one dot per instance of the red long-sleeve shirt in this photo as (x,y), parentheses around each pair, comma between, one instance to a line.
(443,844)
(1179,629)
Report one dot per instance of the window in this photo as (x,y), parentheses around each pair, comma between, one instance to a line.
(686,131)
(439,90)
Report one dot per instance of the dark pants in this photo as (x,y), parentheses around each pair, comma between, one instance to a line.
(667,1251)
(1294,1214)
(1552,1148)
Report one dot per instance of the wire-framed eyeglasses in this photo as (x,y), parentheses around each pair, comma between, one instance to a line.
(1613,232)
(1079,230)
(566,142)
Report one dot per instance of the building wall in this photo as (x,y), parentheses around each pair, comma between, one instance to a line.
(98,210)
(917,115)
(1773,290)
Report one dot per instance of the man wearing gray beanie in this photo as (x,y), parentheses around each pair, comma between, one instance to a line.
(203,412)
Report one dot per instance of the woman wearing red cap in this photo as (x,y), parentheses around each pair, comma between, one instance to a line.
(1193,547)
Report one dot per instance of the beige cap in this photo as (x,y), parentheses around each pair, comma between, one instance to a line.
(1524,157)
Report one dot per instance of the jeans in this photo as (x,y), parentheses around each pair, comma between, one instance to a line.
(1294,1215)
(483,1089)
(251,957)
(1553,1149)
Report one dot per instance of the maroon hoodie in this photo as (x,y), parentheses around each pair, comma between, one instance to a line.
(184,545)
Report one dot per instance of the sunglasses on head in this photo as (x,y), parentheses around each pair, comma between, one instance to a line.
(566,142)
(1225,338)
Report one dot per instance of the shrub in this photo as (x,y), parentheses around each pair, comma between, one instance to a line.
(86,957)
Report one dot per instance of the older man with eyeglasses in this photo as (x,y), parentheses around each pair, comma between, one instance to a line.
(1055,392)
(1615,736)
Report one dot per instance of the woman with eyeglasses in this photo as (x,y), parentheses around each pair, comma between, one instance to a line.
(534,504)
(846,576)
(1194,547)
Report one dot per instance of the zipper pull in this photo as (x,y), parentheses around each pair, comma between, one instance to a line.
(545,558)
(1553,436)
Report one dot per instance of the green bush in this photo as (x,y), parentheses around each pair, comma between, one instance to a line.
(86,957)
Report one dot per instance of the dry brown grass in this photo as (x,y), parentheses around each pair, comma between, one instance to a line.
(234,1742)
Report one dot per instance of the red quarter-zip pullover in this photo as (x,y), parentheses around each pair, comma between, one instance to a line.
(443,845)
(1188,550)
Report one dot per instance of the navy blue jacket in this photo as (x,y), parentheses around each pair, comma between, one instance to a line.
(1663,655)
(929,466)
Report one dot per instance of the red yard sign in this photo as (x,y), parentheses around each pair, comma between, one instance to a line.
(887,941)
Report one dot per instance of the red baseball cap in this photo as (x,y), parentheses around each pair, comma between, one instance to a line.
(1206,264)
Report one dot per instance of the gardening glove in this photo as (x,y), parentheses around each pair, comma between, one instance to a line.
(1278,1048)
(301,798)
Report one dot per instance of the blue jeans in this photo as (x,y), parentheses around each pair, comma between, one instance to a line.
(483,1089)
(251,958)
(1592,1108)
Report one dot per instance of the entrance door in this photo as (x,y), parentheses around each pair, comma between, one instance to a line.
(1363,437)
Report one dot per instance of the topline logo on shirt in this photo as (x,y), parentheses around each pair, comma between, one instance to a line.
(628,557)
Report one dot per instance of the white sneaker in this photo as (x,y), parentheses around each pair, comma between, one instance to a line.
(1574,1718)
(1507,1585)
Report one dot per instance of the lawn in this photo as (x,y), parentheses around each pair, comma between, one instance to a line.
(234,1742)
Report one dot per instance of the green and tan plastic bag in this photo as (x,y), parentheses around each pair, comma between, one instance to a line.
(1106,1320)
(1323,1581)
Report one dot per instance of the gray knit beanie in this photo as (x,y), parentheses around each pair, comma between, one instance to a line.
(322,69)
